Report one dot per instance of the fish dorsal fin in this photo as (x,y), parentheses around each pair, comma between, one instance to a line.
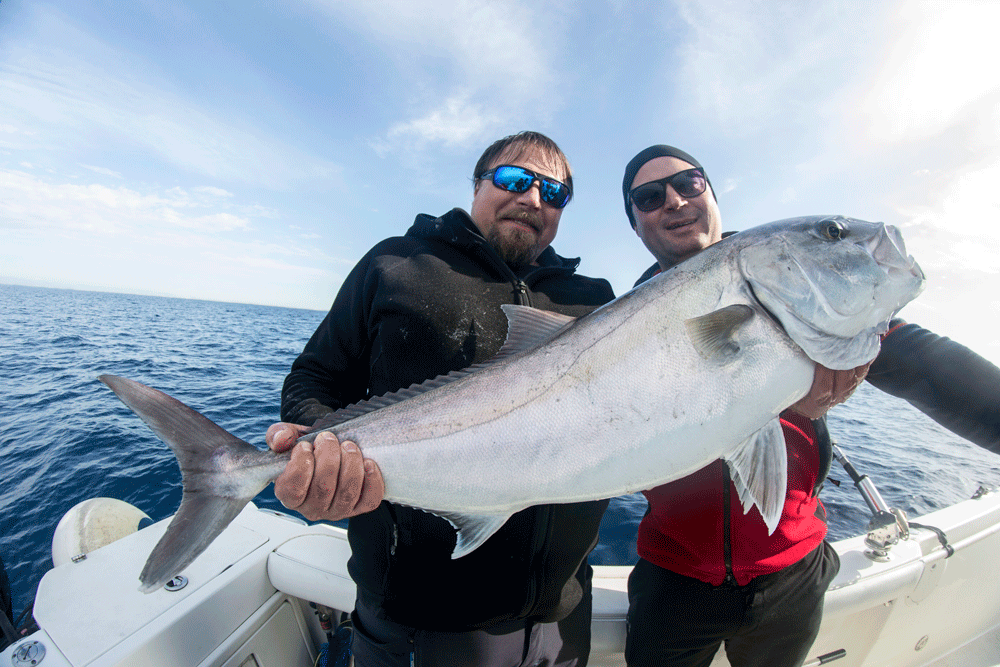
(473,529)
(714,334)
(529,327)
(759,468)
(378,402)
(526,328)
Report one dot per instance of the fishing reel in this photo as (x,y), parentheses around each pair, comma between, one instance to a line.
(885,530)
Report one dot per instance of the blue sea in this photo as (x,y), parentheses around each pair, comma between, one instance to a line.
(64,437)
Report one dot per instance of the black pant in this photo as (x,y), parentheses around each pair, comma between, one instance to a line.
(771,622)
(379,642)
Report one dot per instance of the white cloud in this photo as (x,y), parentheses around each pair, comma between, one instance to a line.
(953,225)
(499,45)
(194,243)
(11,129)
(471,65)
(728,185)
(27,200)
(457,123)
(212,191)
(748,65)
(102,170)
(926,116)
(221,222)
(933,69)
(78,94)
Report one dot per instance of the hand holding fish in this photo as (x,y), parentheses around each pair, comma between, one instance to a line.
(829,388)
(324,479)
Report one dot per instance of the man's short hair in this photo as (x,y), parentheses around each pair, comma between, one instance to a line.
(525,140)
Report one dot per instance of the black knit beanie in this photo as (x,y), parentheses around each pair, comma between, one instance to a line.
(660,150)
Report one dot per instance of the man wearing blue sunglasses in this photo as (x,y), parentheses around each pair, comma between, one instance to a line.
(416,307)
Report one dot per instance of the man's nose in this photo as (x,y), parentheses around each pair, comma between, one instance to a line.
(671,200)
(532,196)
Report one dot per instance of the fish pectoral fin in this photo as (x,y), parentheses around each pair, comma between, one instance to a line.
(473,529)
(714,334)
(759,468)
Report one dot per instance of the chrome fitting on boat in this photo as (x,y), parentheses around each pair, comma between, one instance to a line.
(28,654)
(885,530)
(176,584)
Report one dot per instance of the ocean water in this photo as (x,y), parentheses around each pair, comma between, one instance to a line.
(64,437)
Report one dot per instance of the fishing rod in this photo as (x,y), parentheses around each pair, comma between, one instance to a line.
(888,525)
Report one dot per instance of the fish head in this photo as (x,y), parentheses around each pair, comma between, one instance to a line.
(833,283)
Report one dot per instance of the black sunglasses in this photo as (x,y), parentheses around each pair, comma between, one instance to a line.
(650,196)
(518,179)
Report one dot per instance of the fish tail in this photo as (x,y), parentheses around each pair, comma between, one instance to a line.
(217,482)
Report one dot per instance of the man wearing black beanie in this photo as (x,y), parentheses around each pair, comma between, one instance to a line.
(644,156)
(708,573)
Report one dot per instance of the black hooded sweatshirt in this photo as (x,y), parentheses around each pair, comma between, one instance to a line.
(413,308)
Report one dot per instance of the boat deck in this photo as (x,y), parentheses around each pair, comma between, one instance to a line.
(249,594)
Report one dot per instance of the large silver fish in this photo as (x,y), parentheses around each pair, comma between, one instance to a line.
(692,366)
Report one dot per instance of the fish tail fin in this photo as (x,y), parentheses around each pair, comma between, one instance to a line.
(759,468)
(215,490)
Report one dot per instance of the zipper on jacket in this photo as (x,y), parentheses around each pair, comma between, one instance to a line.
(543,514)
(727,544)
(521,289)
(521,294)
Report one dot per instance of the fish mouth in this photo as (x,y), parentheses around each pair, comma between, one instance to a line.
(889,251)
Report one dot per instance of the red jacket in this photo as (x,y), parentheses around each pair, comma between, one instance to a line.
(685,529)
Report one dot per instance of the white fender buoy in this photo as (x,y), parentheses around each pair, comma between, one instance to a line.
(92,524)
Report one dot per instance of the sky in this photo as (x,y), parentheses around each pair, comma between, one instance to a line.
(253,152)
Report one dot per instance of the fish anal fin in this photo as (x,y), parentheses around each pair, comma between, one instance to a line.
(759,468)
(473,529)
(714,334)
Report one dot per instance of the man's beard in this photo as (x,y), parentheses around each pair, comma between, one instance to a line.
(516,247)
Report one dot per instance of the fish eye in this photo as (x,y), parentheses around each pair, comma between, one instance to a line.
(834,230)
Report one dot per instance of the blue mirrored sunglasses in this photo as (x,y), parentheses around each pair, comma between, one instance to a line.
(518,179)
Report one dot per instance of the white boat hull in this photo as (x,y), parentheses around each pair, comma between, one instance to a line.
(249,593)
